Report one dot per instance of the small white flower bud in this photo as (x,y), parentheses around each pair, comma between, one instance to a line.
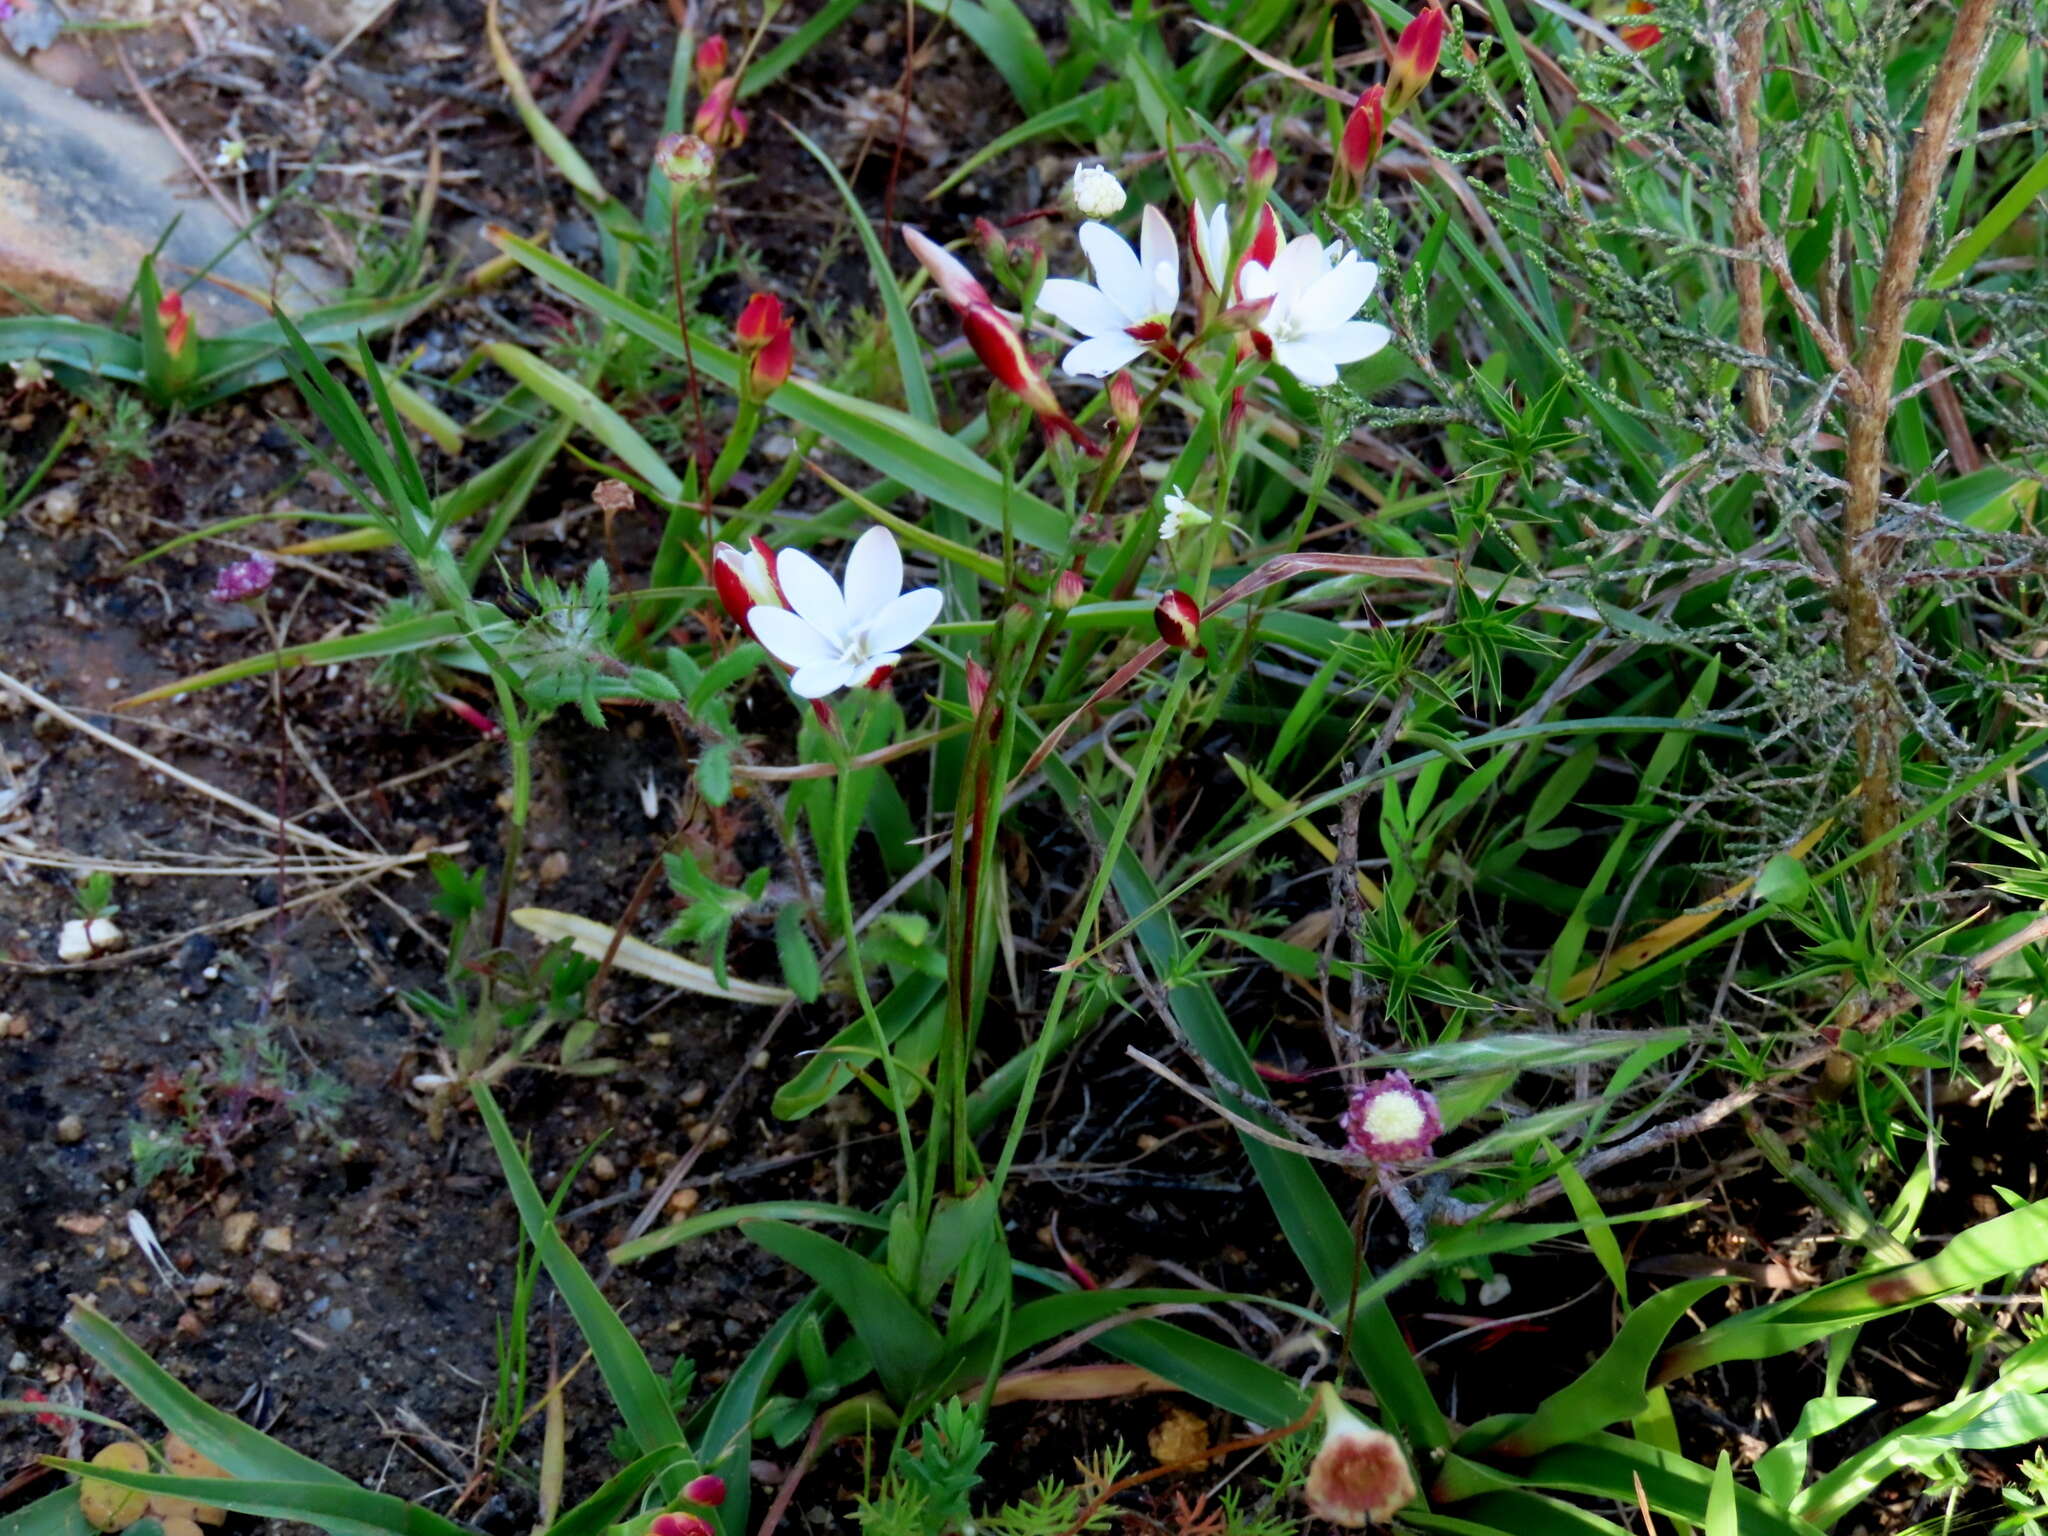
(1097,192)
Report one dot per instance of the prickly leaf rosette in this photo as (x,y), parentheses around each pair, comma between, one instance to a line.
(1392,1120)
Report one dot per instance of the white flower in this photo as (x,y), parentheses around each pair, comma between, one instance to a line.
(230,155)
(837,638)
(1097,192)
(1310,330)
(1181,515)
(1128,306)
(1210,234)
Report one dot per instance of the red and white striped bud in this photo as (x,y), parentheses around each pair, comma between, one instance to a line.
(949,275)
(1179,619)
(1265,237)
(1414,59)
(709,63)
(1360,1475)
(1068,588)
(1003,353)
(745,580)
(719,121)
(673,1524)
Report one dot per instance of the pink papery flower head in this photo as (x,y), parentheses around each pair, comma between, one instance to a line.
(244,580)
(1360,1475)
(1392,1120)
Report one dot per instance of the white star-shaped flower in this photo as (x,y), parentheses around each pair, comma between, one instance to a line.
(1128,306)
(835,637)
(1309,330)
(1182,515)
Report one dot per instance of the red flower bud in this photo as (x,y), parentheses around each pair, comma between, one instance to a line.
(1003,353)
(1643,37)
(1261,171)
(680,1525)
(707,1490)
(1068,588)
(1265,237)
(176,323)
(1415,56)
(766,342)
(469,715)
(1364,130)
(710,63)
(978,680)
(1124,402)
(1180,622)
(719,121)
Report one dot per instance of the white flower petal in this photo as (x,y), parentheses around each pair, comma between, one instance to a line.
(869,672)
(1306,360)
(821,678)
(1212,237)
(1300,263)
(1160,253)
(1336,298)
(1100,356)
(1081,306)
(1118,272)
(874,575)
(905,619)
(1353,340)
(813,593)
(1255,283)
(789,639)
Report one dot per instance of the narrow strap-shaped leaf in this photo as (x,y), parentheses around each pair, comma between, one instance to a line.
(339,1507)
(906,1347)
(641,1395)
(240,1449)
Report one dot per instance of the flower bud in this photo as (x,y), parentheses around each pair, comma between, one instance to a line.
(1125,404)
(1068,588)
(710,63)
(1261,171)
(1095,192)
(1646,36)
(176,323)
(993,245)
(1364,131)
(245,580)
(469,715)
(745,579)
(708,1490)
(685,159)
(1180,622)
(1360,1475)
(673,1524)
(1392,1120)
(1415,57)
(719,120)
(766,343)
(948,274)
(978,680)
(1233,421)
